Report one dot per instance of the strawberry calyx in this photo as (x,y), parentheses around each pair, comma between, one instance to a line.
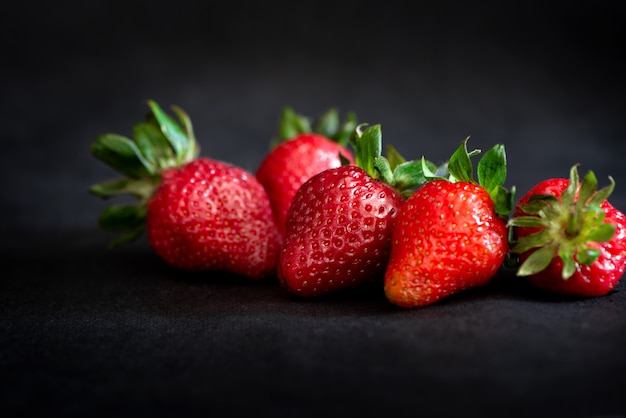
(567,225)
(328,125)
(158,144)
(491,171)
(393,169)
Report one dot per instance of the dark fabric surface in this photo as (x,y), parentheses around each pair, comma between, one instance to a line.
(90,333)
(87,332)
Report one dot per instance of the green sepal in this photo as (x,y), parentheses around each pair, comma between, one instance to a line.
(383,170)
(410,175)
(587,255)
(176,136)
(431,172)
(367,144)
(153,145)
(491,170)
(602,233)
(140,189)
(569,194)
(566,254)
(541,204)
(603,194)
(504,201)
(123,155)
(128,220)
(537,261)
(394,157)
(528,222)
(329,125)
(117,218)
(587,189)
(531,241)
(291,125)
(404,176)
(346,129)
(460,164)
(193,150)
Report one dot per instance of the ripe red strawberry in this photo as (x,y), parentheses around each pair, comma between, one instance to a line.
(340,221)
(302,153)
(570,239)
(200,214)
(450,235)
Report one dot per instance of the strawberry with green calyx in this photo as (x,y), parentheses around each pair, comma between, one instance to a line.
(199,214)
(568,236)
(302,150)
(340,221)
(450,234)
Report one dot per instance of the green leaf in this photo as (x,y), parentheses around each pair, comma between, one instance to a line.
(569,264)
(367,146)
(345,131)
(384,170)
(460,165)
(587,255)
(121,154)
(394,157)
(128,220)
(120,218)
(328,124)
(140,189)
(430,171)
(537,261)
(410,174)
(172,131)
(528,221)
(603,194)
(491,169)
(154,146)
(568,195)
(291,125)
(602,233)
(538,239)
(588,187)
(540,204)
(503,201)
(193,149)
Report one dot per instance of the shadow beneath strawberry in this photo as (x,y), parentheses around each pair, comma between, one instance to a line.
(509,286)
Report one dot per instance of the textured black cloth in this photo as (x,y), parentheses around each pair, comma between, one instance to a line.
(90,332)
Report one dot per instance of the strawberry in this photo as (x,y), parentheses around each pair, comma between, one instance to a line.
(450,234)
(199,214)
(340,221)
(569,238)
(301,152)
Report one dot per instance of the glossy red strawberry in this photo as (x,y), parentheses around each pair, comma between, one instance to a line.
(450,235)
(302,153)
(570,239)
(200,214)
(340,221)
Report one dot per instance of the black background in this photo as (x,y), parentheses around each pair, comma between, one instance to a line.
(86,332)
